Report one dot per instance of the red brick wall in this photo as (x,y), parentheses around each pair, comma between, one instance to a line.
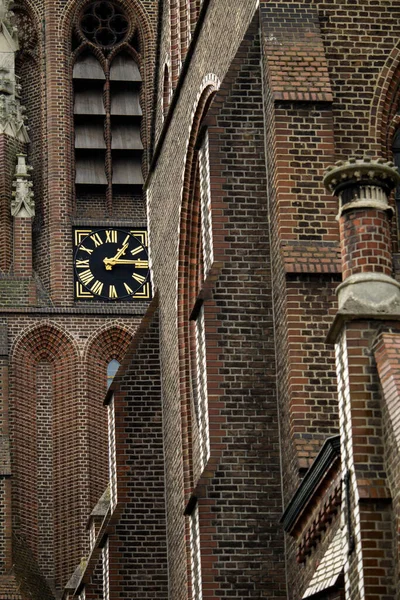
(304,232)
(387,355)
(243,470)
(137,541)
(62,420)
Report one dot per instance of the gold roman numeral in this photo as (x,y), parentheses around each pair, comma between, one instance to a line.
(97,239)
(86,276)
(112,236)
(82,264)
(139,278)
(97,287)
(112,293)
(128,289)
(142,264)
(126,240)
(136,250)
(88,250)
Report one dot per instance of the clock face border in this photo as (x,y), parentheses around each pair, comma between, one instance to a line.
(82,293)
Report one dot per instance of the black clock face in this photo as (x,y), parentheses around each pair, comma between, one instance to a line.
(111,264)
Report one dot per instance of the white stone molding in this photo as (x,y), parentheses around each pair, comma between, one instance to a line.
(362,183)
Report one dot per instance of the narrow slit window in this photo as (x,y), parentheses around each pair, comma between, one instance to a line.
(112,368)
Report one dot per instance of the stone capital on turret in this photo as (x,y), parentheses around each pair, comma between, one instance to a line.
(363,187)
(362,183)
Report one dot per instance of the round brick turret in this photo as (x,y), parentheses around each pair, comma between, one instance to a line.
(363,187)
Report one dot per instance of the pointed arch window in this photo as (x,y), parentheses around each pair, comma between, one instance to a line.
(107,110)
(112,368)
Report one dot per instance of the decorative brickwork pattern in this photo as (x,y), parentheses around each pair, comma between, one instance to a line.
(112,458)
(295,53)
(205,193)
(106,571)
(47,344)
(195,555)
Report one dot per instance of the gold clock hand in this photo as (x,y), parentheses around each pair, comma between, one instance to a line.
(110,262)
(121,251)
(140,264)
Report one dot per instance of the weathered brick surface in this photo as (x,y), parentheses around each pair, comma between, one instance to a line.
(141,522)
(58,476)
(328,89)
(310,306)
(387,355)
(135,528)
(365,242)
(295,53)
(370,562)
(238,326)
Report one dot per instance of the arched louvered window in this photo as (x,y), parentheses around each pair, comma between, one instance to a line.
(107,111)
(126,114)
(89,120)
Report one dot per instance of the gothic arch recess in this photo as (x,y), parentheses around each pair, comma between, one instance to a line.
(385,104)
(190,273)
(47,459)
(190,262)
(111,343)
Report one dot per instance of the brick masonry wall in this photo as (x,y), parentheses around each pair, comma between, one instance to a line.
(240,350)
(77,349)
(304,234)
(78,381)
(168,175)
(22,257)
(387,347)
(137,541)
(239,382)
(371,567)
(310,305)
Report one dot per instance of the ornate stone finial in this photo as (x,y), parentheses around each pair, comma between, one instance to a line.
(22,204)
(5,19)
(362,182)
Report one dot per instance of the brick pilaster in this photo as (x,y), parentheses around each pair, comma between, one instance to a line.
(22,246)
(363,188)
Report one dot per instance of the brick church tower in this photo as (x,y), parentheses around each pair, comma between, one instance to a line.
(199,300)
(75,112)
